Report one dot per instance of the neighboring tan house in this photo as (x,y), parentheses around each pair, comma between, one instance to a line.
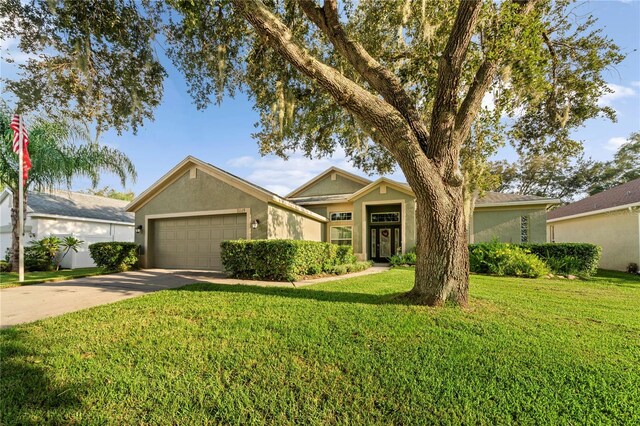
(610,219)
(63,213)
(186,214)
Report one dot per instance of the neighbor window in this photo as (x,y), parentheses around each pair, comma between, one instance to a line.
(340,216)
(342,235)
(524,229)
(385,217)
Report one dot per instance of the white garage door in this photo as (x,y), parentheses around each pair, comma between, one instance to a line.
(194,242)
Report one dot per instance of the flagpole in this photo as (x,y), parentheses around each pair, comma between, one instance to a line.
(21,203)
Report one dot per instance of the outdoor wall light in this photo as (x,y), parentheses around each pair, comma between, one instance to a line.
(139,229)
(254,224)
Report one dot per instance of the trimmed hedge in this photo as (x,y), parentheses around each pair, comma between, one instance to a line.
(568,258)
(114,255)
(282,260)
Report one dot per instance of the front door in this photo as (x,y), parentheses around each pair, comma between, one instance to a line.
(384,242)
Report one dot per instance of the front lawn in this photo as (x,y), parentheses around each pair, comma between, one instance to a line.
(10,279)
(524,352)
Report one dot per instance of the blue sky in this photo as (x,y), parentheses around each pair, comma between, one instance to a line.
(221,135)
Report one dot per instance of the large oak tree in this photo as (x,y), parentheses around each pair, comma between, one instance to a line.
(393,82)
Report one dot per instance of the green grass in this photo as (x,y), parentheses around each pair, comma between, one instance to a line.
(524,352)
(10,279)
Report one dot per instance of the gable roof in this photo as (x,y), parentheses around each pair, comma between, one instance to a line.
(322,175)
(618,197)
(235,181)
(496,199)
(69,204)
(402,187)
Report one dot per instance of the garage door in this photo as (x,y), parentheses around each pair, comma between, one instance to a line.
(194,242)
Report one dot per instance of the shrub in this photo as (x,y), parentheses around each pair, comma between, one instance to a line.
(403,259)
(37,259)
(632,268)
(505,260)
(5,266)
(282,260)
(568,258)
(114,256)
(345,255)
(349,268)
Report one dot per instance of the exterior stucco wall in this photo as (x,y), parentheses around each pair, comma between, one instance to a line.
(201,193)
(504,224)
(376,198)
(291,225)
(328,186)
(618,233)
(89,232)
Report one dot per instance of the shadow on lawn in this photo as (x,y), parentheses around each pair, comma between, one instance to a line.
(26,391)
(301,293)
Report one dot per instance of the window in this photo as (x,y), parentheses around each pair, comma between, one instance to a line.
(340,216)
(524,229)
(385,217)
(341,235)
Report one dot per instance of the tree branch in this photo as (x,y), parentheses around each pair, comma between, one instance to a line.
(447,86)
(481,83)
(380,78)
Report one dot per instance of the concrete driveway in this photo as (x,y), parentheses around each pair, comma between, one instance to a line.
(34,302)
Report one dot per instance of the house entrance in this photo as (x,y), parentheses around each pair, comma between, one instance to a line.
(384,241)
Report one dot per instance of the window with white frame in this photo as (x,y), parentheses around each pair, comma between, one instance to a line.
(342,235)
(338,216)
(524,229)
(385,217)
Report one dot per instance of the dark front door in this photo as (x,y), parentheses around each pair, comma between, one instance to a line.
(384,242)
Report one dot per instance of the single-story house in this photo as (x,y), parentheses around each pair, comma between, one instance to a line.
(63,213)
(183,217)
(610,219)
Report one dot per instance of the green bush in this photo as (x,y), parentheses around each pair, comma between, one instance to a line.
(37,259)
(5,266)
(403,259)
(568,258)
(282,260)
(114,256)
(505,260)
(349,268)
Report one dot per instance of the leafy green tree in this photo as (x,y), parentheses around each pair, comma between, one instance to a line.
(392,82)
(624,167)
(57,156)
(67,244)
(109,192)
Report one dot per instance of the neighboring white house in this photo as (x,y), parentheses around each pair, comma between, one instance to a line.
(62,213)
(610,219)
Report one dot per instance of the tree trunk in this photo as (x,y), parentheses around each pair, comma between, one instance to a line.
(442,265)
(15,233)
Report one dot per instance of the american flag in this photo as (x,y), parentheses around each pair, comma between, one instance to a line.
(26,161)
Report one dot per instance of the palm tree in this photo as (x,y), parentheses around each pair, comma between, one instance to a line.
(60,151)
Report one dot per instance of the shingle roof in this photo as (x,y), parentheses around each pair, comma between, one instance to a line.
(501,197)
(75,204)
(620,195)
(320,199)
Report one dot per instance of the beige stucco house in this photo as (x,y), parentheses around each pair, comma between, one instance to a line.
(183,217)
(610,219)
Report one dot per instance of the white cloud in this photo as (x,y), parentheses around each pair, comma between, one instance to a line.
(283,176)
(617,92)
(614,143)
(635,83)
(488,101)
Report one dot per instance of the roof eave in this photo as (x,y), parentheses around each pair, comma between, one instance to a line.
(595,212)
